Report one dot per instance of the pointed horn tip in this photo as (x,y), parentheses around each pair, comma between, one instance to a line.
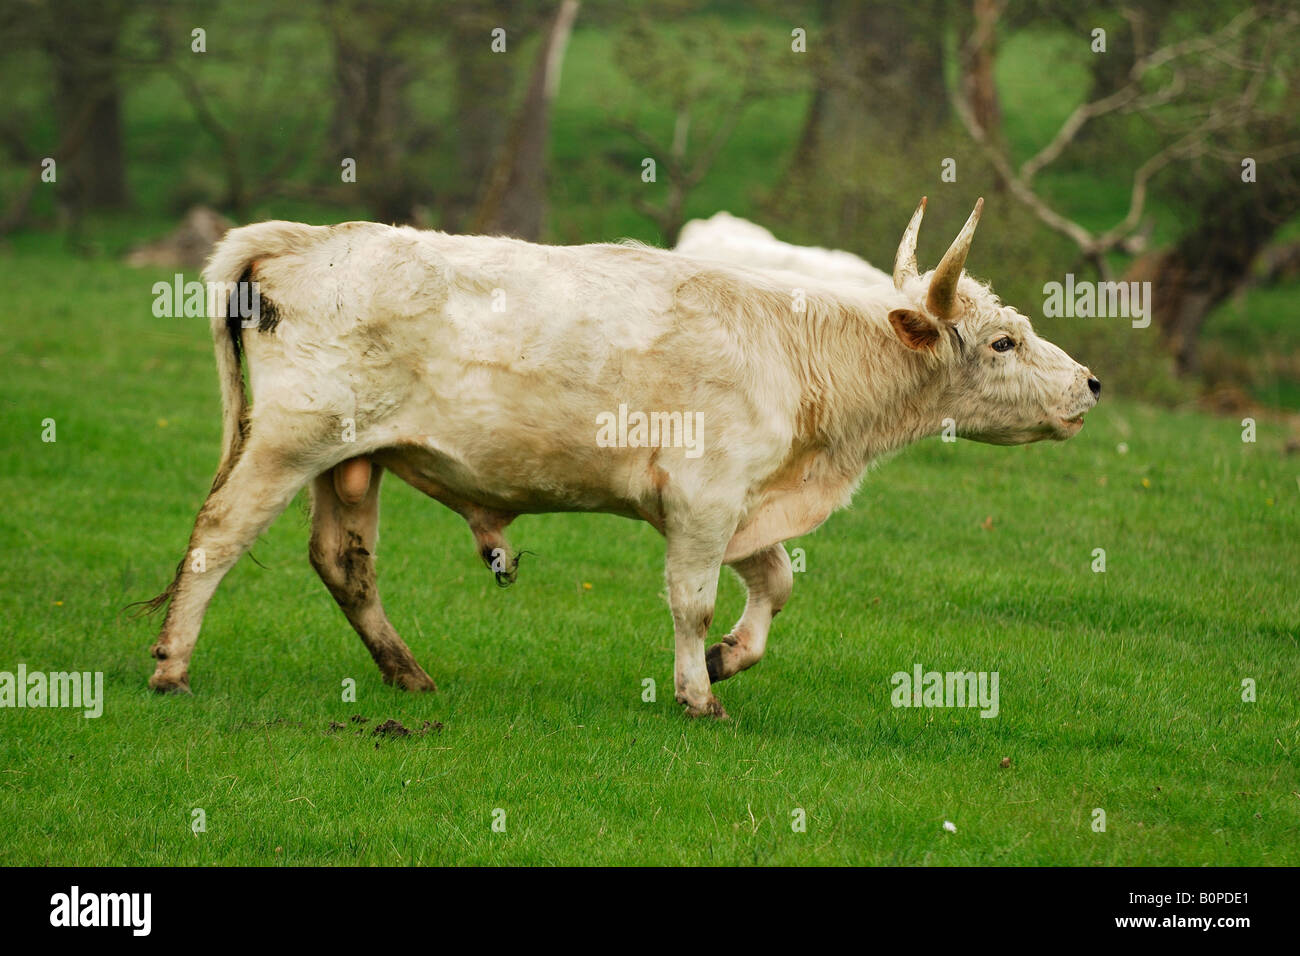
(974,218)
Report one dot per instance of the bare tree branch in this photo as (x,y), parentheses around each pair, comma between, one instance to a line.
(1198,136)
(1130,94)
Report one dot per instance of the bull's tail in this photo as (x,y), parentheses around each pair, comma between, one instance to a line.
(231,264)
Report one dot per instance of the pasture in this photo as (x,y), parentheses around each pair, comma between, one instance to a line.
(1119,690)
(1123,691)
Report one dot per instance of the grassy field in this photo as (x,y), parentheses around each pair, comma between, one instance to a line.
(1119,690)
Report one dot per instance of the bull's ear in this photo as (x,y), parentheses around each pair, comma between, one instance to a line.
(914,329)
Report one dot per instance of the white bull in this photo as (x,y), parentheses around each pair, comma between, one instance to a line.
(487,373)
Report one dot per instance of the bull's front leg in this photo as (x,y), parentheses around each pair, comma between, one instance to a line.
(768,583)
(692,571)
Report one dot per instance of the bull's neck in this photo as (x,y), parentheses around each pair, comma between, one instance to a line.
(865,394)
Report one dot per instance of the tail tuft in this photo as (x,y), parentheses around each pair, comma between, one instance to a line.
(155,604)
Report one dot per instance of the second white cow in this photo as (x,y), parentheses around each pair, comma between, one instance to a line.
(738,241)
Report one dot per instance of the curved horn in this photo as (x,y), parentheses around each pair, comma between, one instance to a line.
(905,258)
(943,284)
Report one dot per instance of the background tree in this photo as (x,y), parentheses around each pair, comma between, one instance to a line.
(83,43)
(255,147)
(696,83)
(878,113)
(373,122)
(1213,100)
(514,197)
(1101,157)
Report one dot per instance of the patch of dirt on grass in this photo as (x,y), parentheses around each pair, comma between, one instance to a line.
(390,728)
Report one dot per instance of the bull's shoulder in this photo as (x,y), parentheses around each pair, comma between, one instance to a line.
(793,501)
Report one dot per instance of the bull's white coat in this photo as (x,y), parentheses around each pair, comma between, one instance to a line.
(477,369)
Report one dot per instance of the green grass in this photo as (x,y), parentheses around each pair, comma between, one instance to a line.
(1118,690)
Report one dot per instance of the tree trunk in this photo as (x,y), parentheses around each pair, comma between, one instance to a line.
(83,45)
(483,82)
(978,56)
(514,202)
(1213,260)
(881,60)
(874,122)
(370,118)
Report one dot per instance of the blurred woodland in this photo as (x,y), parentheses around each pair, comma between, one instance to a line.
(1146,141)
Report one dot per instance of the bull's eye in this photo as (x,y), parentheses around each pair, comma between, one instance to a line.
(1004,344)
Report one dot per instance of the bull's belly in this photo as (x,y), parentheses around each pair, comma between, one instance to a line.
(494,438)
(503,485)
(493,490)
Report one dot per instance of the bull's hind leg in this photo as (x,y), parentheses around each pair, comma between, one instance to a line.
(238,509)
(769,581)
(344,533)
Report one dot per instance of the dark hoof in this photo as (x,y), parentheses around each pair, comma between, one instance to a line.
(713,659)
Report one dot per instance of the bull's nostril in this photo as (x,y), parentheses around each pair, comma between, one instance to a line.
(1095,385)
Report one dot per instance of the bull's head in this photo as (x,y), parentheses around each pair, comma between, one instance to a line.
(999,381)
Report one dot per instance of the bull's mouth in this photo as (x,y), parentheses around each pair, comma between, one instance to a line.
(1068,427)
